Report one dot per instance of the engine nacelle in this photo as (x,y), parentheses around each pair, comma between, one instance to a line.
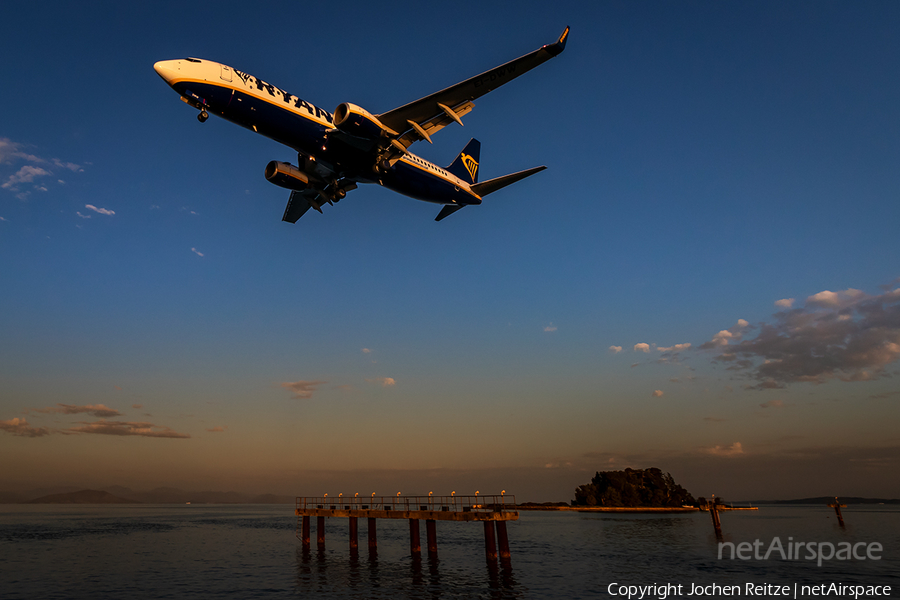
(286,175)
(357,121)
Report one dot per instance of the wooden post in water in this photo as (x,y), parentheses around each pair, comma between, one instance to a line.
(837,510)
(415,546)
(304,532)
(320,532)
(431,537)
(490,544)
(714,513)
(373,542)
(354,533)
(503,540)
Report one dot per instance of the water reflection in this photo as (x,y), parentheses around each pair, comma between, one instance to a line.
(410,576)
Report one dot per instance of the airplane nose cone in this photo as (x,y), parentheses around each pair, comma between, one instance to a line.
(166,69)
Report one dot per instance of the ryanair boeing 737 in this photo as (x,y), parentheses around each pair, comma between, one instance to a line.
(336,152)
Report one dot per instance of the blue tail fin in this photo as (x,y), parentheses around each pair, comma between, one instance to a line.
(466,164)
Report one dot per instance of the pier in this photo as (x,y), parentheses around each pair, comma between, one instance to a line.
(492,510)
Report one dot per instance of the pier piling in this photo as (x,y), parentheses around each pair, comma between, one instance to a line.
(503,540)
(414,541)
(354,533)
(464,509)
(304,535)
(373,542)
(490,543)
(431,537)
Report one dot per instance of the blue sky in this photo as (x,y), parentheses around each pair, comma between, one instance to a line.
(705,160)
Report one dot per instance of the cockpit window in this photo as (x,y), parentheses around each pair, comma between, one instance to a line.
(192,60)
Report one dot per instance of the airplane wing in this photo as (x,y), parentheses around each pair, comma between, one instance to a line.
(418,120)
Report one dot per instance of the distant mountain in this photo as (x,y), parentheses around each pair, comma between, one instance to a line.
(830,499)
(82,497)
(11,498)
(117,494)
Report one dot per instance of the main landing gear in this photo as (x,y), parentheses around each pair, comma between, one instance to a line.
(203,116)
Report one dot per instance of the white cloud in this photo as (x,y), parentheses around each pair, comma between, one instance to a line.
(848,335)
(675,348)
(785,303)
(197,252)
(366,351)
(11,152)
(101,211)
(383,381)
(67,165)
(550,327)
(81,215)
(828,299)
(726,336)
(642,347)
(24,175)
(615,349)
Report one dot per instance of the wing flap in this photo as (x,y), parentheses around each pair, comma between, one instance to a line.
(296,207)
(436,123)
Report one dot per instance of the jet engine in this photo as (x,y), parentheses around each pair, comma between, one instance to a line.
(287,176)
(359,122)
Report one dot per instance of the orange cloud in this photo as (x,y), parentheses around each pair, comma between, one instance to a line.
(21,428)
(97,410)
(123,428)
(302,389)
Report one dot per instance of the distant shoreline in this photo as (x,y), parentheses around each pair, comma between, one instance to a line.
(628,509)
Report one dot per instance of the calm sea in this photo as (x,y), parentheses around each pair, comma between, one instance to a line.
(228,551)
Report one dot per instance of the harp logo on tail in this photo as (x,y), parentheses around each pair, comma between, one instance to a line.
(471,165)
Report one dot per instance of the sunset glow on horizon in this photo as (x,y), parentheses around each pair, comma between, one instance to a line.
(705,279)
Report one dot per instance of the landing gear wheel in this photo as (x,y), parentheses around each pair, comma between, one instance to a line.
(203,116)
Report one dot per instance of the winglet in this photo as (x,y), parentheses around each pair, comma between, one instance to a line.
(560,45)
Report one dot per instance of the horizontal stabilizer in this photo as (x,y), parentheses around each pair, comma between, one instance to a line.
(492,185)
(448,210)
(297,206)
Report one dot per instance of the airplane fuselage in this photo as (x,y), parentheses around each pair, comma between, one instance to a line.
(252,103)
